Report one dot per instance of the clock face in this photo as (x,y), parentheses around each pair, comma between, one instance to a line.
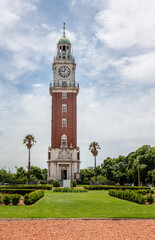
(64,71)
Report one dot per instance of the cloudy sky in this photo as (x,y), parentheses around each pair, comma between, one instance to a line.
(114,46)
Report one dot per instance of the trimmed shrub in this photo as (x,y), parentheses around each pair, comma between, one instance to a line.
(15,199)
(143,191)
(27,186)
(43,182)
(33,197)
(66,189)
(7,199)
(150,198)
(56,184)
(128,195)
(74,183)
(141,199)
(17,191)
(1,198)
(106,187)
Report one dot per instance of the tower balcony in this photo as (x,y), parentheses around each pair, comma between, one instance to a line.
(54,87)
(64,84)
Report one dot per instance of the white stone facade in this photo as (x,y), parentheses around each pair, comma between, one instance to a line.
(59,163)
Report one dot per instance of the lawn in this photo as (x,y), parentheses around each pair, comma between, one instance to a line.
(92,204)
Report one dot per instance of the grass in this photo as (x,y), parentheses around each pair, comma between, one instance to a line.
(92,204)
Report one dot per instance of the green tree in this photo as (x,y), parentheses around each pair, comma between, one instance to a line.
(86,174)
(29,141)
(93,147)
(37,172)
(44,173)
(146,156)
(6,177)
(108,167)
(21,175)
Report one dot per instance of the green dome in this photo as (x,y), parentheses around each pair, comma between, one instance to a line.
(64,40)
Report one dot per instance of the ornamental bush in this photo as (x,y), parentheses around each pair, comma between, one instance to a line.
(17,191)
(27,186)
(66,189)
(150,198)
(106,187)
(143,191)
(33,197)
(15,199)
(1,198)
(128,195)
(74,183)
(7,199)
(56,184)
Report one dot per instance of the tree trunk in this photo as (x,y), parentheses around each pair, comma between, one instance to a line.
(29,167)
(95,167)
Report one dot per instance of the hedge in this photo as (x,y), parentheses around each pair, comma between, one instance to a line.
(66,189)
(105,187)
(33,197)
(16,191)
(8,198)
(132,196)
(27,186)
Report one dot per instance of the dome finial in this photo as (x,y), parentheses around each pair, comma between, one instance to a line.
(64,29)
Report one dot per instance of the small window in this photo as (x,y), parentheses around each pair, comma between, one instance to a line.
(64,84)
(64,140)
(64,122)
(64,95)
(64,107)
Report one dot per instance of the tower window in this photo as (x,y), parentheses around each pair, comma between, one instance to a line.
(64,140)
(64,84)
(64,107)
(64,95)
(64,122)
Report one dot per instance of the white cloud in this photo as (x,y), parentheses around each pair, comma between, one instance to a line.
(119,123)
(137,69)
(123,24)
(26,44)
(26,114)
(37,85)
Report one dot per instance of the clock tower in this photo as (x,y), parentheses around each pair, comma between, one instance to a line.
(64,91)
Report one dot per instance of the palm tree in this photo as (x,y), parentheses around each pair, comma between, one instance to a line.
(93,147)
(29,141)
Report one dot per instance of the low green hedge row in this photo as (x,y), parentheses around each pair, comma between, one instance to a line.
(27,186)
(33,197)
(129,195)
(144,192)
(106,187)
(66,189)
(16,191)
(8,198)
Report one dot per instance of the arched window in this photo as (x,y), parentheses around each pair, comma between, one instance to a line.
(64,140)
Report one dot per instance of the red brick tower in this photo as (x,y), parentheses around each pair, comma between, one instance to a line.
(64,91)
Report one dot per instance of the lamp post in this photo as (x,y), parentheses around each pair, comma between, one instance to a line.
(138,172)
(71,151)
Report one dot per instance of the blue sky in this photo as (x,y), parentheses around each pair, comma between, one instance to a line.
(113,43)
